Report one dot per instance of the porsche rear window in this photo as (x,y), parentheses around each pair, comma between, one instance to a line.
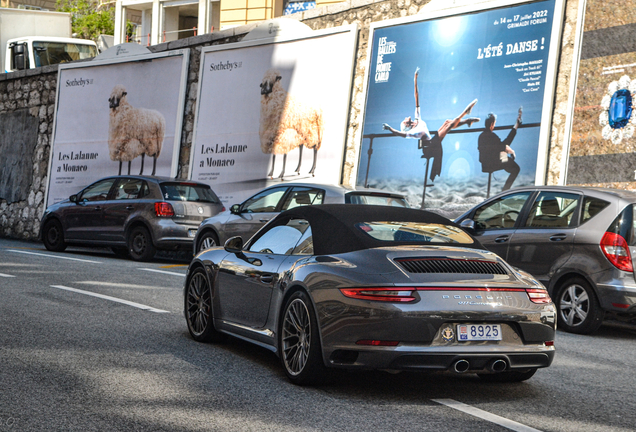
(415,232)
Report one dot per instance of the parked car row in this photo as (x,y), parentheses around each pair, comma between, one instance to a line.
(335,277)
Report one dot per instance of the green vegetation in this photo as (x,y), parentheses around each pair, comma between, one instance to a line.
(88,19)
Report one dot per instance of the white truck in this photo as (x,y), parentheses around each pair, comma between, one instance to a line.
(31,39)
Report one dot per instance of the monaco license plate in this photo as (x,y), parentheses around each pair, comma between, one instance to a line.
(478,332)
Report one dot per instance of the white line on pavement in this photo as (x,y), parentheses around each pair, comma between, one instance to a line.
(53,256)
(163,271)
(5,275)
(115,299)
(493,418)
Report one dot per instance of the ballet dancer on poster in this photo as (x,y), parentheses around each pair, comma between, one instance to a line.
(416,128)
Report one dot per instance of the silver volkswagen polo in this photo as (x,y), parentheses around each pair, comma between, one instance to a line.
(248,217)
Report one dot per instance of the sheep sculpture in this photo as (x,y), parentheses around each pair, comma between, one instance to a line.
(286,123)
(133,132)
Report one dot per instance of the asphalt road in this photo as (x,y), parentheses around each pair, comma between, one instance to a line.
(71,361)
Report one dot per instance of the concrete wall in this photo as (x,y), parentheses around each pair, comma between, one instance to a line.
(35,91)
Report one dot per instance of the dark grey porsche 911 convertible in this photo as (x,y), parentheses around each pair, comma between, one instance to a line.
(372,287)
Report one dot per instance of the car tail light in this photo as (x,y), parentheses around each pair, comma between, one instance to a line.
(538,295)
(164,209)
(616,250)
(377,342)
(549,343)
(391,294)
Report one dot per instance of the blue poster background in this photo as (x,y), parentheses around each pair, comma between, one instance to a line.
(457,65)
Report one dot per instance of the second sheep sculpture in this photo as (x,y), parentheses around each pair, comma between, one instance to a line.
(286,123)
(133,132)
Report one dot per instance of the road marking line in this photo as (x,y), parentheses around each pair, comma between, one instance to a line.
(485,415)
(115,299)
(5,275)
(53,256)
(162,271)
(174,265)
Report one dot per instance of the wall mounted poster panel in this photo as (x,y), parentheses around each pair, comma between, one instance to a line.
(113,114)
(433,81)
(273,110)
(603,140)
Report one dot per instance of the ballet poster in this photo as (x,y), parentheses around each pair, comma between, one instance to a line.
(455,101)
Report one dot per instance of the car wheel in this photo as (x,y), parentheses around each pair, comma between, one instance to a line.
(507,377)
(299,342)
(53,236)
(198,309)
(579,310)
(140,245)
(207,240)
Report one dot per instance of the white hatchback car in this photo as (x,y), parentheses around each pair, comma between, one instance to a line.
(248,217)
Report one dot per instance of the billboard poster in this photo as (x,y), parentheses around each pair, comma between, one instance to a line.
(116,116)
(458,106)
(272,111)
(603,141)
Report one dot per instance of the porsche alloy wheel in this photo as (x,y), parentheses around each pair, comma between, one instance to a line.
(301,353)
(198,308)
(579,310)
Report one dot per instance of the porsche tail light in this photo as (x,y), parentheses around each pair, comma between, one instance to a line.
(164,209)
(390,294)
(616,250)
(538,295)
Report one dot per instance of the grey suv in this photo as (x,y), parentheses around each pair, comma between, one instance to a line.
(580,242)
(134,215)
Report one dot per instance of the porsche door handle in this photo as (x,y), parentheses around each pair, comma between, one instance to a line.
(502,239)
(129,208)
(97,208)
(263,220)
(558,237)
(267,278)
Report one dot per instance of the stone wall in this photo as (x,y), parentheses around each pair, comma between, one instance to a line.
(32,94)
(35,90)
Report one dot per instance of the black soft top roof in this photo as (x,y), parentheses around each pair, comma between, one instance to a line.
(334,225)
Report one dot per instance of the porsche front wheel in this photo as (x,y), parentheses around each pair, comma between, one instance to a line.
(299,342)
(198,308)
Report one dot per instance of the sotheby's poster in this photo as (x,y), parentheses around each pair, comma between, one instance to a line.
(120,115)
(458,99)
(273,110)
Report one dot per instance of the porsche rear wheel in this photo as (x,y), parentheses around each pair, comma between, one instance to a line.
(198,308)
(299,342)
(510,376)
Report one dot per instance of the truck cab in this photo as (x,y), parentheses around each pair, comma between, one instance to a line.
(35,51)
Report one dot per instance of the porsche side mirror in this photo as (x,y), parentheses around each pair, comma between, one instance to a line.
(234,244)
(468,225)
(235,209)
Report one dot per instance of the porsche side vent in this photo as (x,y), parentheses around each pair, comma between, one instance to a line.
(446,265)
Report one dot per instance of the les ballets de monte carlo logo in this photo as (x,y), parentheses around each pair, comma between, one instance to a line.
(617,118)
(383,69)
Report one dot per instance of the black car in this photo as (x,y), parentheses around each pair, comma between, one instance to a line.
(134,215)
(578,241)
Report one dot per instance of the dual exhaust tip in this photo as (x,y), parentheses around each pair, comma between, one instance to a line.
(462,365)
